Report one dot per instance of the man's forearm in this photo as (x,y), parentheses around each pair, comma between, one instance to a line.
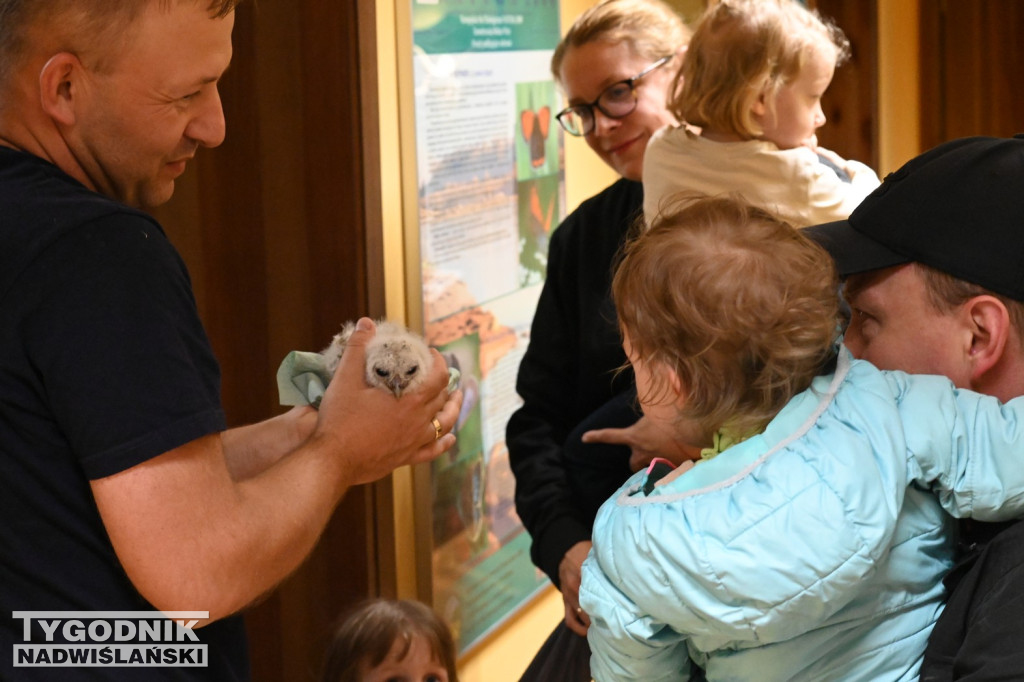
(250,450)
(206,542)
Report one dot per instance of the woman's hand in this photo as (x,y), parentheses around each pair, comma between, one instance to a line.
(570,573)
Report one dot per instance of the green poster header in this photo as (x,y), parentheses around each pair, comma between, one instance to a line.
(454,26)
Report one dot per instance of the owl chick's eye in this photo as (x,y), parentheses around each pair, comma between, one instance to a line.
(381,372)
(412,370)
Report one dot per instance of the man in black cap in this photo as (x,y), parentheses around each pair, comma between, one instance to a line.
(933,263)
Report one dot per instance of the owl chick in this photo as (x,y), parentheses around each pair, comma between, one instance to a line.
(396,358)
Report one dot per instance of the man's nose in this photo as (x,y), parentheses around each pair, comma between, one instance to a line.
(208,127)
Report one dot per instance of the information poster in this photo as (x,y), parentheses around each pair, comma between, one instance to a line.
(491,190)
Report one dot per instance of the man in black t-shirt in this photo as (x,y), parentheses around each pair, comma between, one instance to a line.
(122,490)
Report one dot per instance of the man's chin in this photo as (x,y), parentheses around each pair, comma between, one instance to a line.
(151,197)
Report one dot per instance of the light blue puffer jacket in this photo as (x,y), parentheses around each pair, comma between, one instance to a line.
(814,551)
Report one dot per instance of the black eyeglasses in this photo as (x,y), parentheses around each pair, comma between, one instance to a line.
(618,100)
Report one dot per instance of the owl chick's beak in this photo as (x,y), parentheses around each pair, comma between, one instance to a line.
(397,386)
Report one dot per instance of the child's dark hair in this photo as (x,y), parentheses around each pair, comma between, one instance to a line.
(365,635)
(740,305)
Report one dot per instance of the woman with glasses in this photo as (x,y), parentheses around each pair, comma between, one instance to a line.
(615,66)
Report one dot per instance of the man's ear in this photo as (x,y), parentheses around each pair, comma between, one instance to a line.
(990,329)
(59,86)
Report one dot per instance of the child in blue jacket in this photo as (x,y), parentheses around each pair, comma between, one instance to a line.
(809,540)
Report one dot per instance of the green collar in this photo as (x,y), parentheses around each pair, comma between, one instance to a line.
(722,440)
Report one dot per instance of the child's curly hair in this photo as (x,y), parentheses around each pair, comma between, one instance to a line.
(740,305)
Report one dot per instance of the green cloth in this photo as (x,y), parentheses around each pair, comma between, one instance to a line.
(302,378)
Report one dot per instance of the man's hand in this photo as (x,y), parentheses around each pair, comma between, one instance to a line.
(646,439)
(569,575)
(376,432)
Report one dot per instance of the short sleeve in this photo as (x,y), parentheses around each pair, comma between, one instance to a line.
(116,340)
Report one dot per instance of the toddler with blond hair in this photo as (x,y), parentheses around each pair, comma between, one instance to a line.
(752,81)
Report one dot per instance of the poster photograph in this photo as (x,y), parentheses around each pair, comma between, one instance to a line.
(490,183)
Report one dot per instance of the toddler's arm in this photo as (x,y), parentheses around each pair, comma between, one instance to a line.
(858,172)
(967,447)
(624,643)
(830,198)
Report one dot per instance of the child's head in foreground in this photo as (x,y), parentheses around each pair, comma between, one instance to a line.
(756,69)
(726,314)
(385,640)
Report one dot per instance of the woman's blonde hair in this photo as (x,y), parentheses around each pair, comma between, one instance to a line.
(651,28)
(741,49)
(740,305)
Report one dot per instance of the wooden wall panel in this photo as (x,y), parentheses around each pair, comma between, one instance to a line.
(972,67)
(279,227)
(851,102)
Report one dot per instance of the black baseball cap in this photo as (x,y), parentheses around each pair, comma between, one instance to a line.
(958,208)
